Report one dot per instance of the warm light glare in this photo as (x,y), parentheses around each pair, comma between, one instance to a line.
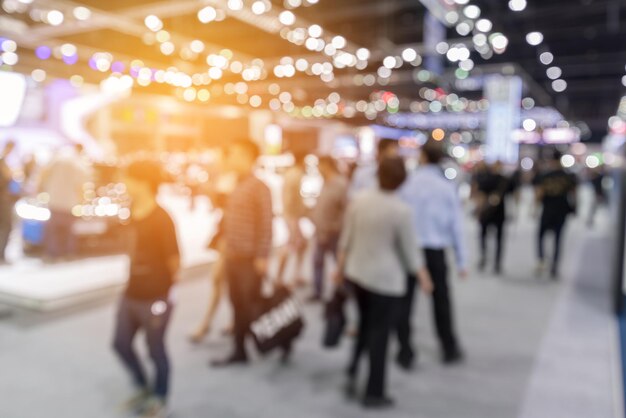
(54,17)
(438,134)
(82,13)
(207,14)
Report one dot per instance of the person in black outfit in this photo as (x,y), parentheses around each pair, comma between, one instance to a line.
(555,190)
(247,240)
(596,179)
(146,304)
(491,190)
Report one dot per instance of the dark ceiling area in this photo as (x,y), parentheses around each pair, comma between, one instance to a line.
(586,37)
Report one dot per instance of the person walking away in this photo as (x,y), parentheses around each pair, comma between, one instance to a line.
(63,182)
(7,200)
(147,301)
(492,189)
(365,176)
(327,216)
(377,249)
(247,235)
(294,210)
(438,221)
(596,179)
(555,190)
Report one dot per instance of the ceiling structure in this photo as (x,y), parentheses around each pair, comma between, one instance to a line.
(587,40)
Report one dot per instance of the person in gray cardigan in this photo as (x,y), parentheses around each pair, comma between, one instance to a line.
(377,249)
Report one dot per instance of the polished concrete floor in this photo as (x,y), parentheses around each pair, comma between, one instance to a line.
(525,339)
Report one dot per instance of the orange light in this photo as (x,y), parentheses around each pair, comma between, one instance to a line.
(438,134)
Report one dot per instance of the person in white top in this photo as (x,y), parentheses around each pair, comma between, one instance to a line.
(62,180)
(377,250)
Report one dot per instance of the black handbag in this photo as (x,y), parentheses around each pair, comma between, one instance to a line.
(278,323)
(335,316)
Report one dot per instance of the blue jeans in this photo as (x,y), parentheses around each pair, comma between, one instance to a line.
(322,247)
(152,317)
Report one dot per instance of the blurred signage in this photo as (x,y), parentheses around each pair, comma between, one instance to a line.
(561,135)
(434,33)
(550,136)
(503,117)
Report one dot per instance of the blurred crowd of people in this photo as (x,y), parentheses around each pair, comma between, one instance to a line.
(388,230)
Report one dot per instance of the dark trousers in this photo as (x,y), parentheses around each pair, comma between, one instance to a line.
(484,232)
(442,305)
(554,225)
(244,285)
(152,317)
(377,318)
(59,240)
(325,246)
(6,224)
(405,315)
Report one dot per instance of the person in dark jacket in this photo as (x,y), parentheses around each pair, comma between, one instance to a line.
(491,189)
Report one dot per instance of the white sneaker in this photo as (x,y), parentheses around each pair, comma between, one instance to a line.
(136,402)
(154,408)
(540,269)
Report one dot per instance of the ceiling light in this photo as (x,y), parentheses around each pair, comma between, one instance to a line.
(463,28)
(54,17)
(484,25)
(68,50)
(235,5)
(517,5)
(363,54)
(559,85)
(529,125)
(339,42)
(389,62)
(9,58)
(315,31)
(167,48)
(409,55)
(554,73)
(82,13)
(196,46)
(499,41)
(259,7)
(534,38)
(546,58)
(287,18)
(472,12)
(38,75)
(8,45)
(207,14)
(153,23)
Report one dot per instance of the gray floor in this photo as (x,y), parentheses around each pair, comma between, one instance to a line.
(60,365)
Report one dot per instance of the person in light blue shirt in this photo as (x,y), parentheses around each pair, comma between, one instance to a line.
(366,176)
(438,220)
